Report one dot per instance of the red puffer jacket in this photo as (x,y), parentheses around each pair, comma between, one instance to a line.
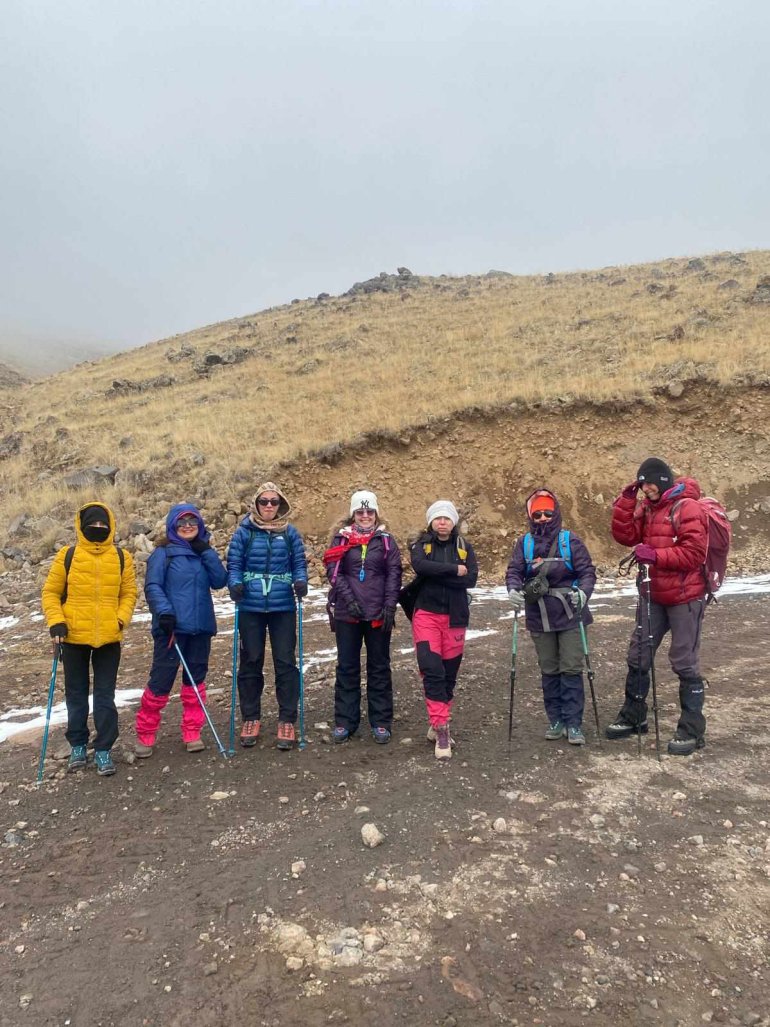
(680,541)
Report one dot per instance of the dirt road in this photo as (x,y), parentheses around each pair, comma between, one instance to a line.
(546,885)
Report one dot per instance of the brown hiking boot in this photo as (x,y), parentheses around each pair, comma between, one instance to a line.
(249,733)
(443,750)
(196,745)
(143,752)
(285,735)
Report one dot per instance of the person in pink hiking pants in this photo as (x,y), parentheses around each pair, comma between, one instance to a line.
(181,572)
(446,568)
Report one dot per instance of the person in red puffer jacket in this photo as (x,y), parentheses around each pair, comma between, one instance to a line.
(668,529)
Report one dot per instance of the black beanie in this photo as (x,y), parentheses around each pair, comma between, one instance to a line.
(91,514)
(655,472)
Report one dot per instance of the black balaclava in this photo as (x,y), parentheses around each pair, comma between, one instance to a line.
(87,519)
(655,472)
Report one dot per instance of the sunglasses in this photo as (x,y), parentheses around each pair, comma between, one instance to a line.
(364,513)
(544,514)
(269,502)
(187,522)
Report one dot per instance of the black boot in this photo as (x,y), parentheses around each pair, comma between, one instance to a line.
(691,729)
(632,717)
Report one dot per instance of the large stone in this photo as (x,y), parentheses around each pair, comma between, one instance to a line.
(89,477)
(371,836)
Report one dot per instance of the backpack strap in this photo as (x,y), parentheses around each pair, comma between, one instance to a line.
(462,549)
(69,556)
(529,548)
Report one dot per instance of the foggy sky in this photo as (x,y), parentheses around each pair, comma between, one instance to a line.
(170,163)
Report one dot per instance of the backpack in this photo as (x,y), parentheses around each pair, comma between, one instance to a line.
(564,545)
(720,535)
(69,557)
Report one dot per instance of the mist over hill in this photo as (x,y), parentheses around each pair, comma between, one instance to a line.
(35,356)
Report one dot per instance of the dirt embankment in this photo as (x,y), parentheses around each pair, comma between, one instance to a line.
(489,462)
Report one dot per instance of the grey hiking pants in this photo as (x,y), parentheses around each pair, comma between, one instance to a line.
(684,622)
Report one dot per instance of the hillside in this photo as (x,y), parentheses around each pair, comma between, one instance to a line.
(478,387)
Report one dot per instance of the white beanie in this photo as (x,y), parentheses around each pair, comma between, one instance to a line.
(442,508)
(363,500)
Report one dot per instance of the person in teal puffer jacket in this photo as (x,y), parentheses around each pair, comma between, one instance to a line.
(181,572)
(266,573)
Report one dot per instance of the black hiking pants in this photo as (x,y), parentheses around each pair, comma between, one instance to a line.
(78,661)
(347,685)
(253,629)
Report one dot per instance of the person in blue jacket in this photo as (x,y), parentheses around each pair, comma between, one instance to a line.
(266,570)
(181,572)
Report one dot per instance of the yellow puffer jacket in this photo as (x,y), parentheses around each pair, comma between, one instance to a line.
(98,596)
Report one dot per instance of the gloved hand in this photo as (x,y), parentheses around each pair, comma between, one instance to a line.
(167,623)
(199,546)
(354,609)
(577,598)
(58,630)
(517,598)
(388,618)
(645,553)
(630,491)
(237,592)
(300,589)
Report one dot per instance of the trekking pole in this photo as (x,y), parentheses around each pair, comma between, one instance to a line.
(639,632)
(231,750)
(302,740)
(57,653)
(589,668)
(514,650)
(199,697)
(651,644)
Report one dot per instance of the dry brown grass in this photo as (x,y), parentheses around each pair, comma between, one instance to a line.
(323,373)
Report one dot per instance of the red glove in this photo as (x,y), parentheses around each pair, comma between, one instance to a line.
(645,553)
(630,491)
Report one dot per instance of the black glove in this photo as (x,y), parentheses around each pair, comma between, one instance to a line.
(58,630)
(354,609)
(198,545)
(388,618)
(237,592)
(167,623)
(300,589)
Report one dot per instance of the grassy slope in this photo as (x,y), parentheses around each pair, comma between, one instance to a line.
(317,374)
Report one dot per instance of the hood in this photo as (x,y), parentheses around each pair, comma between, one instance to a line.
(284,507)
(547,529)
(683,488)
(95,547)
(174,514)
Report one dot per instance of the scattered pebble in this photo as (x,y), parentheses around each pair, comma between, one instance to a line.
(298,868)
(218,796)
(580,935)
(283,799)
(209,969)
(597,820)
(696,839)
(361,809)
(25,1001)
(500,825)
(371,836)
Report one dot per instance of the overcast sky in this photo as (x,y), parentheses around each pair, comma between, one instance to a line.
(170,163)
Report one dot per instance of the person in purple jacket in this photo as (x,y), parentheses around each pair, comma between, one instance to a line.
(551,576)
(363,565)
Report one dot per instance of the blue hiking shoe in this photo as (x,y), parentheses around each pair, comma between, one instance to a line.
(340,733)
(78,758)
(575,736)
(556,730)
(104,764)
(381,735)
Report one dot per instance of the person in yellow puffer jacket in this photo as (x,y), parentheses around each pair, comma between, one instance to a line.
(86,610)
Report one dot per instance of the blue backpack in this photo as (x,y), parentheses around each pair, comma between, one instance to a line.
(564,548)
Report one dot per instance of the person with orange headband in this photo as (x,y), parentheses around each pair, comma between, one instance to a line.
(551,577)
